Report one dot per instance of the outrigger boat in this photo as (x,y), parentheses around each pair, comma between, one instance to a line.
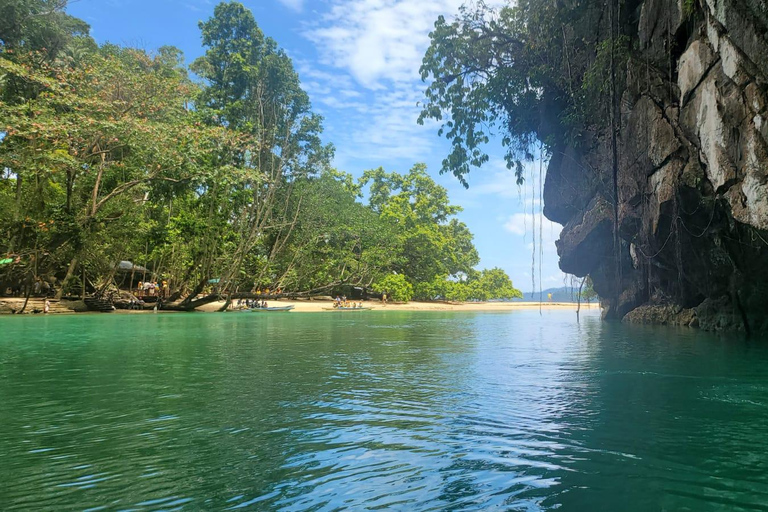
(272,309)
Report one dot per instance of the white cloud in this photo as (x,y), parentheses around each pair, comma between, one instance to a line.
(378,41)
(496,180)
(296,5)
(370,51)
(349,93)
(522,224)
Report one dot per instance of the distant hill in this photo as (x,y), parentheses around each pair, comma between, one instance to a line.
(562,294)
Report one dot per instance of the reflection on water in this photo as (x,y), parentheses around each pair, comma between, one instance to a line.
(389,410)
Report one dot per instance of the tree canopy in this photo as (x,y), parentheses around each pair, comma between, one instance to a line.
(215,186)
(529,72)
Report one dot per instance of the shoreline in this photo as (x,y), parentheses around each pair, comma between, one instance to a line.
(320,306)
(312,306)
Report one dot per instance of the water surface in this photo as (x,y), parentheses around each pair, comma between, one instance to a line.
(379,410)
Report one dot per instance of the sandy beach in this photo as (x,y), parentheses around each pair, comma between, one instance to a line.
(320,306)
(8,304)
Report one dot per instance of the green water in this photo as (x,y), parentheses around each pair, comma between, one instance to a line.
(379,410)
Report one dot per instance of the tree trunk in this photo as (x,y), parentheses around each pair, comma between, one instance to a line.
(28,282)
(108,280)
(68,276)
(95,194)
(70,183)
(26,298)
(196,291)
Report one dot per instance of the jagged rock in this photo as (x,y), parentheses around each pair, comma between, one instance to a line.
(667,314)
(750,201)
(692,177)
(702,117)
(746,27)
(649,139)
(694,64)
(583,240)
(571,185)
(756,99)
(659,20)
(662,188)
(718,314)
(733,62)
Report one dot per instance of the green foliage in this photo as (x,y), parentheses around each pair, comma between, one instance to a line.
(484,285)
(251,86)
(335,238)
(427,240)
(493,284)
(588,292)
(111,153)
(28,26)
(396,286)
(531,71)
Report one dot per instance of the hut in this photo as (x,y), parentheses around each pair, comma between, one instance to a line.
(130,274)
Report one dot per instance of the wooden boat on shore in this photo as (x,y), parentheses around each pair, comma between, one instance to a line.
(271,309)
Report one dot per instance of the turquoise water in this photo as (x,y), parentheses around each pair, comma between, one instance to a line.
(379,410)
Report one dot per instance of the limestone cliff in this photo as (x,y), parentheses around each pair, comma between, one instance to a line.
(693,172)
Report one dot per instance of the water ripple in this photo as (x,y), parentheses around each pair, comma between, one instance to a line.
(393,411)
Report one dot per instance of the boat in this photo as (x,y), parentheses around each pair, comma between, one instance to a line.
(347,309)
(273,309)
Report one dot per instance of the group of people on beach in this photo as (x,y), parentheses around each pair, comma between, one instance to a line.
(252,303)
(152,289)
(342,302)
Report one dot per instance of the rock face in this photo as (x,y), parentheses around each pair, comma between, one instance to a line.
(692,174)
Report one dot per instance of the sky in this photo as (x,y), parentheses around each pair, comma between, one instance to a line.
(359,62)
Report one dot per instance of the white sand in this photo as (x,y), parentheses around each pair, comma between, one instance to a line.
(316,306)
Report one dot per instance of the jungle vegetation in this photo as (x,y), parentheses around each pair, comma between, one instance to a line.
(212,172)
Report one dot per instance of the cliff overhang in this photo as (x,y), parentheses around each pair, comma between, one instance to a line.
(692,174)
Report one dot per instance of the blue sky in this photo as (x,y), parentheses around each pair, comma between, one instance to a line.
(359,62)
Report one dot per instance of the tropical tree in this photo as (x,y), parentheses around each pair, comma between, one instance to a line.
(428,241)
(109,153)
(252,88)
(478,285)
(97,140)
(532,71)
(395,286)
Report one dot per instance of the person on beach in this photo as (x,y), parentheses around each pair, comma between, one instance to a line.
(47,306)
(384,298)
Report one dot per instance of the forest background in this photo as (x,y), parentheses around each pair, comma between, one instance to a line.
(112,153)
